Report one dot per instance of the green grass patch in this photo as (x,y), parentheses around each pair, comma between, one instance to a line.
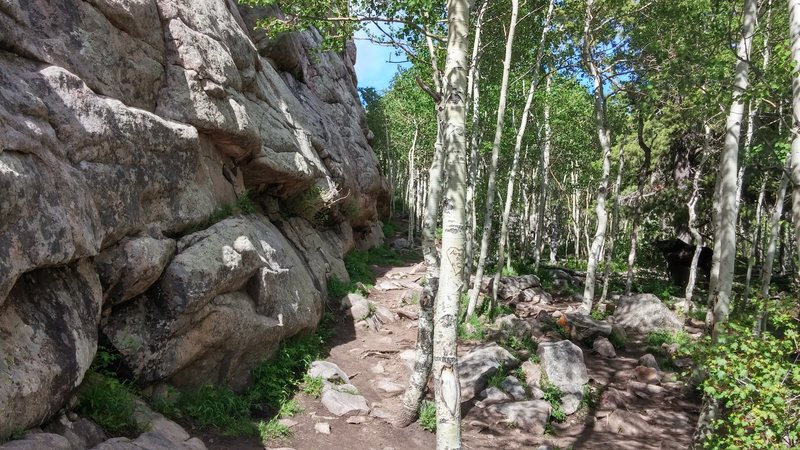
(273,429)
(427,416)
(390,229)
(472,330)
(109,402)
(516,345)
(655,339)
(245,204)
(497,378)
(218,407)
(312,386)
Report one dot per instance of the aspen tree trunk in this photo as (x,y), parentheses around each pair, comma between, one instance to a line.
(766,270)
(644,170)
(725,235)
(473,81)
(545,165)
(754,240)
(411,196)
(697,238)
(605,145)
(614,225)
(498,137)
(517,148)
(445,350)
(794,165)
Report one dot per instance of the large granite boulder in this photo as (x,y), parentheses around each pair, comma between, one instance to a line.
(48,337)
(224,303)
(563,364)
(475,368)
(643,313)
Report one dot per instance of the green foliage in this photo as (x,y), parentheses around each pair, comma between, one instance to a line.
(390,229)
(244,204)
(427,416)
(516,344)
(16,433)
(109,402)
(497,377)
(661,288)
(218,407)
(472,330)
(552,395)
(590,397)
(273,429)
(756,380)
(276,379)
(289,408)
(598,314)
(359,267)
(509,272)
(655,339)
(219,215)
(312,386)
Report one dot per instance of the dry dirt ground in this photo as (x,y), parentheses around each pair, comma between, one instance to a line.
(659,418)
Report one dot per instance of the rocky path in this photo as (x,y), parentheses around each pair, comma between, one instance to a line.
(637,406)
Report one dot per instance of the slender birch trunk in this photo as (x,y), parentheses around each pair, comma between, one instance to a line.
(517,148)
(498,136)
(545,165)
(794,165)
(725,236)
(754,240)
(697,238)
(614,222)
(445,349)
(473,81)
(605,146)
(411,196)
(644,170)
(766,270)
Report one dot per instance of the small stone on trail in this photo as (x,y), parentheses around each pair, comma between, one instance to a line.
(389,387)
(603,347)
(563,363)
(356,420)
(377,368)
(322,427)
(328,371)
(648,360)
(492,396)
(533,373)
(475,368)
(288,423)
(343,400)
(513,387)
(530,415)
(647,374)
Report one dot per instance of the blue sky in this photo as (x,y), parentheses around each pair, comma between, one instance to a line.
(372,63)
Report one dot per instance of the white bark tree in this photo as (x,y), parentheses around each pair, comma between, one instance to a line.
(614,223)
(725,234)
(517,148)
(604,137)
(445,349)
(794,165)
(498,137)
(769,257)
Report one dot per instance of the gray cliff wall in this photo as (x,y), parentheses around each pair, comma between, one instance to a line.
(124,126)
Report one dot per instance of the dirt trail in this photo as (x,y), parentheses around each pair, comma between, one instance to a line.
(657,417)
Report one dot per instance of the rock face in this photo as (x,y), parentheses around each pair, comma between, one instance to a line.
(643,313)
(475,368)
(126,126)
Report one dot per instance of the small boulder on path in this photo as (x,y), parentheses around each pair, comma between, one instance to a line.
(513,387)
(357,306)
(328,371)
(475,368)
(648,360)
(644,313)
(583,328)
(492,396)
(563,364)
(530,415)
(343,400)
(603,347)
